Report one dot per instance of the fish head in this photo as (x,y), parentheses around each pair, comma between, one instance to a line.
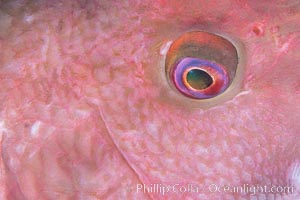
(90,109)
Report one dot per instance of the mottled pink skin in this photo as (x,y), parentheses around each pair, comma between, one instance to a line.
(86,112)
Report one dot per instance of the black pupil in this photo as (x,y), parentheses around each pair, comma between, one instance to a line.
(198,79)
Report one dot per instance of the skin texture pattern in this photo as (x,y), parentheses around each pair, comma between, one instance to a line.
(87,110)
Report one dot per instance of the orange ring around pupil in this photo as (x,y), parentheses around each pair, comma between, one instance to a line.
(186,81)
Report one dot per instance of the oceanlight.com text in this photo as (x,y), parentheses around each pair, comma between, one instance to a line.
(251,189)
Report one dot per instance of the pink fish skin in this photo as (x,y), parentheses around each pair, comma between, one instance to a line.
(86,111)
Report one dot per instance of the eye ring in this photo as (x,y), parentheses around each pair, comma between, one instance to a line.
(217,73)
(211,57)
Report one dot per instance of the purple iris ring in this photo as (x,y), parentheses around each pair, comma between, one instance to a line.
(217,73)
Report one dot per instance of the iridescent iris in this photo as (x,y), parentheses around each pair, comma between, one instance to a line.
(201,65)
(199,78)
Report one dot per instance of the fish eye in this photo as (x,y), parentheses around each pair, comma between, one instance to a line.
(201,65)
